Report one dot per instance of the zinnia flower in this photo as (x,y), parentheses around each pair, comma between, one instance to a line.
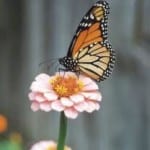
(65,91)
(47,145)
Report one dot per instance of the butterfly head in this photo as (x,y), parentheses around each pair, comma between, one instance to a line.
(69,63)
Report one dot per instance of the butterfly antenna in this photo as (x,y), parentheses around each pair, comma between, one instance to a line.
(57,67)
(48,61)
(47,64)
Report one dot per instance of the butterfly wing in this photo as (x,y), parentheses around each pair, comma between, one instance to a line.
(96,60)
(90,47)
(95,20)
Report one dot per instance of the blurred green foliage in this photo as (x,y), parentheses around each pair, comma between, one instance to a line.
(10,145)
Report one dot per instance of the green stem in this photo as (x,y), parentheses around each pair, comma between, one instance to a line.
(62,132)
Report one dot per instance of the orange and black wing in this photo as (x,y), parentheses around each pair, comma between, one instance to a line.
(96,60)
(89,47)
(92,28)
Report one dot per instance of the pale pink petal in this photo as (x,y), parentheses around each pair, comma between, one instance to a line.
(85,80)
(70,74)
(56,105)
(81,106)
(35,106)
(31,95)
(45,106)
(97,106)
(60,73)
(71,113)
(36,96)
(66,101)
(89,84)
(40,87)
(43,145)
(39,97)
(42,77)
(92,95)
(46,145)
(66,74)
(77,98)
(51,96)
(91,106)
(90,87)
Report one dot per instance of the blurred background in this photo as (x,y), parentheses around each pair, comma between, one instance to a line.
(32,31)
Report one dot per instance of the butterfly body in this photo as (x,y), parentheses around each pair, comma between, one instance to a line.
(90,53)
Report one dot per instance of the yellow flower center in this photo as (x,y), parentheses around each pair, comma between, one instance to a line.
(51,148)
(55,148)
(66,86)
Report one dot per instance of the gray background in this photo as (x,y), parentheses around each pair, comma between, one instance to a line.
(32,31)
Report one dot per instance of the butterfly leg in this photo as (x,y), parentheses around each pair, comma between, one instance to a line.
(66,70)
(78,74)
(62,70)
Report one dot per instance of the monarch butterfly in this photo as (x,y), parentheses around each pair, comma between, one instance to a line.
(90,53)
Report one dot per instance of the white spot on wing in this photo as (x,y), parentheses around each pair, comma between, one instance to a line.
(91,16)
